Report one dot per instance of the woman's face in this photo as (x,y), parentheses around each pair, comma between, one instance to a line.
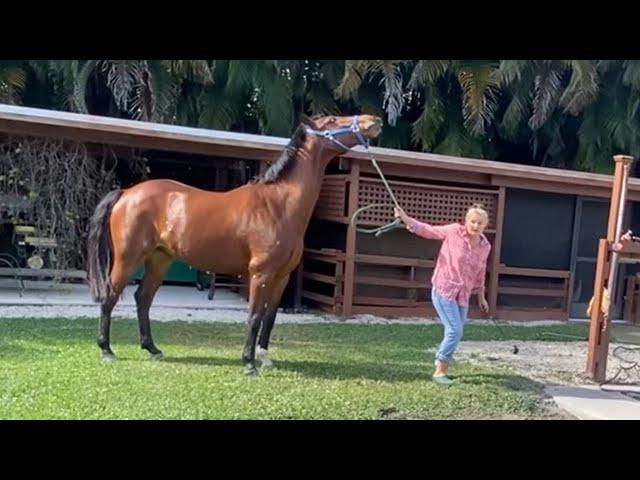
(475,223)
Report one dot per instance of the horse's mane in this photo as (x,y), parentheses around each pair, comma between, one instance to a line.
(282,166)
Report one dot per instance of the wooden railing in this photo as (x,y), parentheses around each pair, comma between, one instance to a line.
(563,293)
(416,302)
(336,258)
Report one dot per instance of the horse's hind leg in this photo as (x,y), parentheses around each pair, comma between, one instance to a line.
(119,277)
(105,327)
(155,269)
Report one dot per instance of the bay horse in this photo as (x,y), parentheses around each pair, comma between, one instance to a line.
(255,231)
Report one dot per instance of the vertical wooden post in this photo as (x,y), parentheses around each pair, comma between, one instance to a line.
(616,201)
(599,330)
(350,249)
(598,335)
(495,256)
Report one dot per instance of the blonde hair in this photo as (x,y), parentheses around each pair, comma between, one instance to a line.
(478,208)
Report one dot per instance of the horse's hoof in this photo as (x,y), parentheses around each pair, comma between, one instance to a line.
(156,356)
(266,363)
(263,358)
(251,371)
(108,357)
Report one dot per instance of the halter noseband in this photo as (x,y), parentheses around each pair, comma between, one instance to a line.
(331,134)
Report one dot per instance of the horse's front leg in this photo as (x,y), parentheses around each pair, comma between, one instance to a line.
(269,320)
(261,287)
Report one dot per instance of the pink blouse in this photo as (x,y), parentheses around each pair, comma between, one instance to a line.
(461,268)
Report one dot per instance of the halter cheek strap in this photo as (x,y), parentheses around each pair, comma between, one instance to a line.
(332,134)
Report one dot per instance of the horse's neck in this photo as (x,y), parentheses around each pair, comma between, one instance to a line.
(304,183)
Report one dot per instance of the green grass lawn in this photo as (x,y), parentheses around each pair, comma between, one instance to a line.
(51,369)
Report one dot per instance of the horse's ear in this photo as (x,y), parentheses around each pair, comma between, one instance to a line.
(305,120)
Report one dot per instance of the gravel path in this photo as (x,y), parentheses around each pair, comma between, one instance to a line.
(548,362)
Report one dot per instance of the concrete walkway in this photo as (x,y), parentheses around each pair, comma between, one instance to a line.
(590,402)
(48,293)
(611,402)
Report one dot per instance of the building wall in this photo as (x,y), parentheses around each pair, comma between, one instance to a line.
(538,229)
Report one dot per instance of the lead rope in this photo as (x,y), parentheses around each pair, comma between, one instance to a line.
(397,223)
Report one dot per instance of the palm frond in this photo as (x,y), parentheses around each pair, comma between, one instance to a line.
(143,104)
(428,71)
(196,70)
(79,97)
(517,110)
(240,75)
(355,72)
(547,88)
(217,109)
(123,76)
(425,129)
(582,88)
(631,75)
(13,80)
(393,100)
(511,71)
(479,96)
(632,105)
(163,89)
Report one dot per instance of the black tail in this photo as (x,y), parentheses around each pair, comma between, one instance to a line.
(100,247)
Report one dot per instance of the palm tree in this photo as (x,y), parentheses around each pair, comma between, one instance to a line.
(570,113)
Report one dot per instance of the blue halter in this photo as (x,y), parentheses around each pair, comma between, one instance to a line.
(331,134)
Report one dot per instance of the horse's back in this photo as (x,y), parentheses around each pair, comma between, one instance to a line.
(163,185)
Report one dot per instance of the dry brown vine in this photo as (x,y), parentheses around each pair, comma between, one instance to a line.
(55,186)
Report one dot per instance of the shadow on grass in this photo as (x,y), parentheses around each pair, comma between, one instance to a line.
(389,372)
(326,370)
(11,350)
(505,380)
(208,361)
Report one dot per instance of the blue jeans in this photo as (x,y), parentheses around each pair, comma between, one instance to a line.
(452,315)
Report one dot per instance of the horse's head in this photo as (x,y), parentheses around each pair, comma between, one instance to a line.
(344,132)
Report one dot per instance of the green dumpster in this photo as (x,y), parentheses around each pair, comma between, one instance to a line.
(178,272)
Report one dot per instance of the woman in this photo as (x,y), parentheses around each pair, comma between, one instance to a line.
(460,272)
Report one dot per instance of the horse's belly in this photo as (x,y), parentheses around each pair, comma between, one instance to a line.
(216,255)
